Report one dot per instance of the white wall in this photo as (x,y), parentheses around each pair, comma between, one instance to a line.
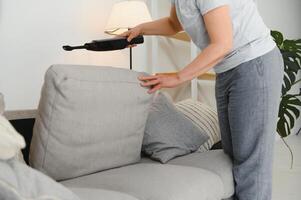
(282,15)
(32,33)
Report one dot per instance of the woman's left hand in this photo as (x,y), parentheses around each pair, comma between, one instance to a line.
(158,81)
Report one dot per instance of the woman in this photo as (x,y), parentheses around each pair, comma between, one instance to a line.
(237,44)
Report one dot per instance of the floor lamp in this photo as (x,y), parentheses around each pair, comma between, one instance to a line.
(126,15)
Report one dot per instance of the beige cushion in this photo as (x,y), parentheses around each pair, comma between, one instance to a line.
(156,182)
(204,117)
(89,119)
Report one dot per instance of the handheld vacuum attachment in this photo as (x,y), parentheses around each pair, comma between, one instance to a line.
(107,44)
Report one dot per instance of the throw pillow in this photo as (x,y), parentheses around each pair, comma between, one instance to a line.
(204,117)
(11,142)
(168,132)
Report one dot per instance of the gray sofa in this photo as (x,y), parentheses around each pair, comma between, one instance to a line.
(197,176)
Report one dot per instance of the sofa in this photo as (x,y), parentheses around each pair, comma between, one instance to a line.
(196,176)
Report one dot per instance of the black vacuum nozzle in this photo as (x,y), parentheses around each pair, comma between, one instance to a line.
(107,44)
(68,48)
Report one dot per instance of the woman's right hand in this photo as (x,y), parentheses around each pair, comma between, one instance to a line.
(132,33)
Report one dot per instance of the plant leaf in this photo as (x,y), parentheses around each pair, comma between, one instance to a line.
(291,118)
(283,127)
(294,110)
(294,101)
(278,38)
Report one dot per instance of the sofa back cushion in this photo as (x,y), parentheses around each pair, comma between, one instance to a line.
(89,119)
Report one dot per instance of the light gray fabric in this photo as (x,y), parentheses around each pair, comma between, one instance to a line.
(20,182)
(168,133)
(251,36)
(90,119)
(99,194)
(215,161)
(248,100)
(204,117)
(156,182)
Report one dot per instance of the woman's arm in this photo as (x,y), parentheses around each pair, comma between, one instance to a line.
(219,27)
(165,26)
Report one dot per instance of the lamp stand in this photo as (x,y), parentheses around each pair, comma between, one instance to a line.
(131,58)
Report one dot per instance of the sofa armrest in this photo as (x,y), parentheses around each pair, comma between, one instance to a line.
(20,114)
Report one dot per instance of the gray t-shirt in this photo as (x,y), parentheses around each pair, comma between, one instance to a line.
(251,37)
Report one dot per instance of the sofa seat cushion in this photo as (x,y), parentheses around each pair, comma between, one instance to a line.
(100,194)
(83,124)
(156,182)
(215,161)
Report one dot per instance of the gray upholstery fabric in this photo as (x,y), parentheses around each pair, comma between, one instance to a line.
(90,119)
(156,182)
(99,194)
(215,161)
(20,182)
(168,133)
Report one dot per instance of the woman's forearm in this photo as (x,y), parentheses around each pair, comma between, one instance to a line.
(163,26)
(206,60)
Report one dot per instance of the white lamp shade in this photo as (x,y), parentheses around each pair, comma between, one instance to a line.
(127,14)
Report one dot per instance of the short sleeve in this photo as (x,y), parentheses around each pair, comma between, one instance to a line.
(208,5)
(172,1)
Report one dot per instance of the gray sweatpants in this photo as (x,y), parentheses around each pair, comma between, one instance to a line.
(248,98)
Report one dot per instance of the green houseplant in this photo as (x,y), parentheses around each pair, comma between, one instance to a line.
(289,109)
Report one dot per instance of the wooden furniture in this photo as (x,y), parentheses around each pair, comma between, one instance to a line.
(207,76)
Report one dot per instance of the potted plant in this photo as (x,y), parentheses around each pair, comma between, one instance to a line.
(289,109)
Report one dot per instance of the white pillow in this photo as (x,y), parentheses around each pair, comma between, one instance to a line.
(11,142)
(20,182)
(204,117)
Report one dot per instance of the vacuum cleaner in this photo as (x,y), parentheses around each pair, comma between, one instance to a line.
(107,44)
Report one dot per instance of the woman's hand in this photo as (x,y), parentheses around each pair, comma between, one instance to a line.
(132,33)
(158,81)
